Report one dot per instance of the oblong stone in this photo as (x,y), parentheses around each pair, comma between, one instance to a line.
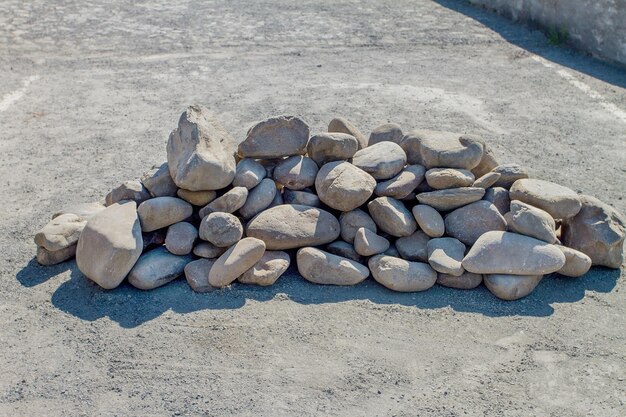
(267,270)
(401,275)
(235,261)
(445,200)
(325,268)
(382,160)
(343,186)
(559,201)
(511,287)
(156,268)
(275,137)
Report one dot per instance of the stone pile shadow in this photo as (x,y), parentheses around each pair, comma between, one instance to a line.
(131,307)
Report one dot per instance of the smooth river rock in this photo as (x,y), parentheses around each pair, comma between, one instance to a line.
(368,243)
(267,269)
(325,268)
(351,221)
(156,268)
(342,125)
(275,137)
(429,220)
(249,173)
(296,172)
(180,238)
(509,173)
(577,263)
(444,178)
(46,257)
(161,212)
(159,182)
(402,184)
(343,186)
(445,255)
(197,275)
(465,281)
(221,229)
(511,287)
(413,247)
(531,221)
(469,222)
(392,217)
(128,190)
(389,132)
(402,275)
(235,261)
(328,147)
(445,200)
(259,198)
(559,201)
(229,202)
(197,198)
(450,150)
(382,161)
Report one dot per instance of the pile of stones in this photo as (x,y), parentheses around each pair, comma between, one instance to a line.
(410,210)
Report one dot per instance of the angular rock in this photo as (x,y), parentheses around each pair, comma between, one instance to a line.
(560,202)
(235,261)
(509,173)
(328,147)
(450,150)
(368,243)
(487,180)
(402,184)
(304,198)
(259,198)
(200,153)
(275,137)
(180,238)
(531,221)
(414,247)
(343,186)
(267,270)
(344,249)
(511,287)
(161,212)
(46,257)
(197,275)
(291,226)
(296,172)
(577,263)
(389,132)
(249,173)
(465,281)
(129,190)
(342,125)
(598,231)
(159,182)
(197,198)
(401,275)
(429,220)
(391,216)
(82,210)
(110,244)
(445,200)
(351,221)
(221,229)
(487,162)
(509,253)
(208,250)
(156,268)
(499,197)
(325,268)
(444,178)
(445,255)
(382,161)
(61,232)
(229,202)
(469,222)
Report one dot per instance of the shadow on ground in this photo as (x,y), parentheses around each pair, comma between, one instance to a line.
(131,307)
(535,42)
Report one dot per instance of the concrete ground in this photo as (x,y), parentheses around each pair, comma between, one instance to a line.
(88,94)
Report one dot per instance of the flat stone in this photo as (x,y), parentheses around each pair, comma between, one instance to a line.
(509,253)
(402,184)
(197,198)
(156,268)
(344,249)
(291,226)
(267,270)
(325,268)
(577,263)
(465,281)
(391,216)
(208,250)
(511,287)
(445,255)
(342,125)
(249,173)
(180,238)
(221,229)
(469,222)
(159,182)
(351,221)
(598,231)
(487,163)
(229,202)
(445,200)
(129,190)
(402,275)
(110,244)
(560,202)
(235,261)
(275,137)
(163,211)
(444,178)
(82,210)
(487,180)
(499,197)
(509,173)
(60,232)
(368,243)
(304,198)
(414,247)
(343,186)
(382,161)
(296,172)
(47,258)
(259,198)
(329,147)
(197,275)
(450,150)
(531,221)
(388,132)
(200,152)
(429,220)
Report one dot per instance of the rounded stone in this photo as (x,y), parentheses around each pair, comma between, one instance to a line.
(343,186)
(465,281)
(487,180)
(402,184)
(368,243)
(249,173)
(388,132)
(128,190)
(511,287)
(267,270)
(499,197)
(342,125)
(444,178)
(402,275)
(445,255)
(275,137)
(197,275)
(259,198)
(162,211)
(221,229)
(445,200)
(450,150)
(208,250)
(156,268)
(509,173)
(577,263)
(328,147)
(351,221)
(197,198)
(240,257)
(296,172)
(531,221)
(180,238)
(429,220)
(559,201)
(392,217)
(469,222)
(159,182)
(414,247)
(382,161)
(325,268)
(229,202)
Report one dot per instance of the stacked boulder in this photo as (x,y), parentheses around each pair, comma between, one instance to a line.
(410,210)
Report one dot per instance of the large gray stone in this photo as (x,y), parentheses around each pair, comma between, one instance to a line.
(402,184)
(249,173)
(445,255)
(391,216)
(275,137)
(509,173)
(296,172)
(240,257)
(429,220)
(304,198)
(180,238)
(197,275)
(389,132)
(382,161)
(511,287)
(450,150)
(577,263)
(343,186)
(208,250)
(499,197)
(531,221)
(128,190)
(445,200)
(197,198)
(342,125)
(229,202)
(161,212)
(328,147)
(402,275)
(351,221)
(259,198)
(368,243)
(469,222)
(325,268)
(465,281)
(344,249)
(267,269)
(560,202)
(156,268)
(159,182)
(444,178)
(221,229)
(413,247)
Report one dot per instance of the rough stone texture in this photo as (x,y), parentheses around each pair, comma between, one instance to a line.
(598,231)
(197,198)
(296,172)
(161,212)
(509,173)
(259,198)
(450,150)
(291,226)
(129,190)
(344,249)
(110,244)
(304,198)
(275,137)
(267,270)
(180,238)
(156,268)
(197,275)
(577,263)
(235,261)
(342,125)
(487,180)
(469,222)
(229,202)
(159,182)
(445,200)
(343,186)
(368,243)
(465,281)
(200,153)
(414,247)
(389,132)
(429,220)
(509,253)
(328,147)
(499,197)
(60,232)
(559,201)
(487,162)
(47,258)
(391,216)
(249,173)
(208,250)
(444,178)
(402,184)
(531,221)
(382,160)
(401,275)
(445,255)
(511,287)
(351,221)
(221,229)
(325,268)
(82,210)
